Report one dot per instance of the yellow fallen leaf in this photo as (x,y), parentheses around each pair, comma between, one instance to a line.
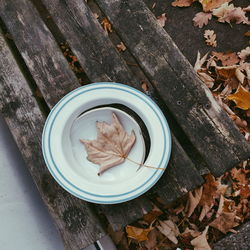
(241,98)
(139,234)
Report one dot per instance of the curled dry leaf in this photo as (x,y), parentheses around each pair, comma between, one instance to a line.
(139,234)
(200,242)
(241,98)
(193,200)
(182,3)
(209,5)
(237,15)
(162,19)
(106,25)
(225,222)
(169,229)
(243,54)
(227,59)
(247,9)
(121,46)
(112,146)
(222,10)
(210,37)
(201,19)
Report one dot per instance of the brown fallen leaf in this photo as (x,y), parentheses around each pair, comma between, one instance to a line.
(139,234)
(227,59)
(182,3)
(247,9)
(224,222)
(237,15)
(162,19)
(151,243)
(193,200)
(121,47)
(210,37)
(209,5)
(201,19)
(240,175)
(226,72)
(169,229)
(152,215)
(112,146)
(200,242)
(222,10)
(247,33)
(243,54)
(106,25)
(241,98)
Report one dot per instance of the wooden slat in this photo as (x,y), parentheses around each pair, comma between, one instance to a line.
(39,50)
(207,125)
(50,69)
(80,28)
(74,218)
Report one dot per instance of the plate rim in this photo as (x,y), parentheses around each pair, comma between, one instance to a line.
(134,193)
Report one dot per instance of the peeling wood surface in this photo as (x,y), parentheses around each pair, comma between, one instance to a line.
(74,218)
(201,117)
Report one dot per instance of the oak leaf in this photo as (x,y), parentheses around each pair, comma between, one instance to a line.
(182,3)
(200,242)
(162,19)
(139,234)
(224,222)
(169,229)
(201,19)
(112,145)
(209,5)
(210,37)
(227,59)
(241,98)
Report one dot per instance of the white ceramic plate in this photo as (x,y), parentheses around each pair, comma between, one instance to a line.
(65,157)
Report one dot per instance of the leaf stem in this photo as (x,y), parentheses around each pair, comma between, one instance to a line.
(140,164)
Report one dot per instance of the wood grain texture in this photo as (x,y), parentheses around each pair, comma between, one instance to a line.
(39,50)
(50,69)
(89,42)
(78,225)
(86,37)
(207,125)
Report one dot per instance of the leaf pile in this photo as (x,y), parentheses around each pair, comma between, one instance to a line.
(227,75)
(197,220)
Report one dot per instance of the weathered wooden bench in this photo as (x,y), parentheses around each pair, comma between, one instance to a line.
(31,61)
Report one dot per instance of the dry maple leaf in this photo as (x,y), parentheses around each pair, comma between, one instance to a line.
(121,46)
(243,54)
(182,3)
(162,19)
(112,146)
(224,222)
(106,25)
(209,5)
(201,19)
(222,10)
(241,98)
(210,38)
(200,242)
(227,59)
(139,234)
(237,15)
(169,229)
(193,200)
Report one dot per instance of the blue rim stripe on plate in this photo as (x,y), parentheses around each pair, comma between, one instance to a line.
(100,86)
